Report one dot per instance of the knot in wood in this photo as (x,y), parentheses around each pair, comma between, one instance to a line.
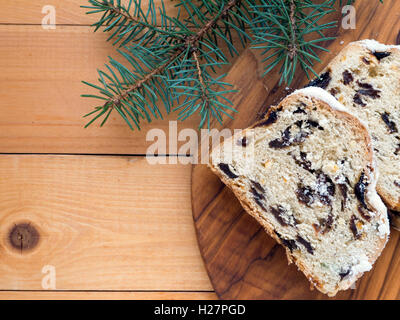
(23,237)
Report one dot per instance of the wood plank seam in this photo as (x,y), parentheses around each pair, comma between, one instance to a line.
(133,291)
(65,25)
(139,155)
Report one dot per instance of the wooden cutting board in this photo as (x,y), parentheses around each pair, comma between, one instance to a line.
(242,261)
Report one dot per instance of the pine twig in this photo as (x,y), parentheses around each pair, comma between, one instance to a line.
(174,60)
(200,74)
(191,43)
(292,46)
(162,51)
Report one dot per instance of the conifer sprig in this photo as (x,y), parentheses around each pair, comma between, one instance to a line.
(282,30)
(173,60)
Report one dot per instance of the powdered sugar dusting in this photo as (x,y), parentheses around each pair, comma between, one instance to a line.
(374,45)
(322,95)
(376,202)
(362,266)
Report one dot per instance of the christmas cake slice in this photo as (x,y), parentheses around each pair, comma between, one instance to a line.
(306,174)
(365,78)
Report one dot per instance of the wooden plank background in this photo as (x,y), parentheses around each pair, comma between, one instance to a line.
(112,225)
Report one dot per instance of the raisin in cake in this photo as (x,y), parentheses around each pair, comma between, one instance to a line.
(365,78)
(306,174)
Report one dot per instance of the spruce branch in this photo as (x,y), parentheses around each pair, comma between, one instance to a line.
(127,27)
(167,67)
(172,61)
(283,31)
(290,33)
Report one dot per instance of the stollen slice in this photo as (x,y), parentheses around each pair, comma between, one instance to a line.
(306,173)
(365,78)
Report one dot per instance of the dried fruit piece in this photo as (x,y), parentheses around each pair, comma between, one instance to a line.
(322,82)
(357,99)
(347,77)
(325,225)
(283,142)
(289,243)
(300,109)
(306,244)
(227,170)
(325,188)
(360,189)
(366,61)
(305,195)
(278,212)
(344,273)
(364,213)
(314,124)
(353,226)
(303,162)
(243,142)
(258,186)
(334,91)
(390,124)
(272,118)
(258,198)
(368,90)
(287,139)
(324,192)
(343,189)
(397,151)
(257,194)
(381,55)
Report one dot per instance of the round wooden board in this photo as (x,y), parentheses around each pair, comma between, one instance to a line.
(242,261)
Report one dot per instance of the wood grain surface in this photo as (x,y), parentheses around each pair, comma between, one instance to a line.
(241,260)
(102,223)
(69,12)
(105,239)
(41,86)
(106,295)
